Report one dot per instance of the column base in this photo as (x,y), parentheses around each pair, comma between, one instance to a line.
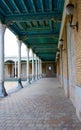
(3,92)
(27,83)
(19,84)
(28,80)
(40,76)
(33,79)
(36,79)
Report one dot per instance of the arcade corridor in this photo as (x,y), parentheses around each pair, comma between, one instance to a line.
(40,106)
(51,29)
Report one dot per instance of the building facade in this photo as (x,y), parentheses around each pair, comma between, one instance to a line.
(67,66)
(11,68)
(69,57)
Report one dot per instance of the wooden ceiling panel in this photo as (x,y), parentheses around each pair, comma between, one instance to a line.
(36,22)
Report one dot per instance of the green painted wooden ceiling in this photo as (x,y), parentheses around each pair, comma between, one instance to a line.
(35,22)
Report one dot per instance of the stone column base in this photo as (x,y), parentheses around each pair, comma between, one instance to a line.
(19,83)
(3,92)
(27,83)
(36,77)
(33,79)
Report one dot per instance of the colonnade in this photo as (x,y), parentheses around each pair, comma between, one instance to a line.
(36,64)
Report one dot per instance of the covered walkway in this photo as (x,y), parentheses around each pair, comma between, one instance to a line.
(40,106)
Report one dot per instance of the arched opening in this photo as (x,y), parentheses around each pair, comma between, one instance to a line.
(9,69)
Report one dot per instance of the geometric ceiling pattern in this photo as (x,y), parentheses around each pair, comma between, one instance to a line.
(36,22)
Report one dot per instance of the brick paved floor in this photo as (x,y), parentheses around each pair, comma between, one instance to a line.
(41,106)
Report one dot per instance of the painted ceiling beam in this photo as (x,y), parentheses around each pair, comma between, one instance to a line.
(47,58)
(50,22)
(38,28)
(7,6)
(33,5)
(50,4)
(39,33)
(54,46)
(42,7)
(30,25)
(24,6)
(45,54)
(30,45)
(51,31)
(20,26)
(45,51)
(29,36)
(13,2)
(44,48)
(35,44)
(33,17)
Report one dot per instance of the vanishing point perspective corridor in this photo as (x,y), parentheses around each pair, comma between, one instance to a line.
(40,106)
(47,82)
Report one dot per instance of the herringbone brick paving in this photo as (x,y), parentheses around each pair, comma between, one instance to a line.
(41,106)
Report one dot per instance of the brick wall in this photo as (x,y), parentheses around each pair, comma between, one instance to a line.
(65,65)
(45,71)
(58,68)
(61,66)
(72,59)
(77,16)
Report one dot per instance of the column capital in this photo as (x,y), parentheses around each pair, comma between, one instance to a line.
(32,51)
(37,57)
(19,41)
(2,27)
(27,48)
